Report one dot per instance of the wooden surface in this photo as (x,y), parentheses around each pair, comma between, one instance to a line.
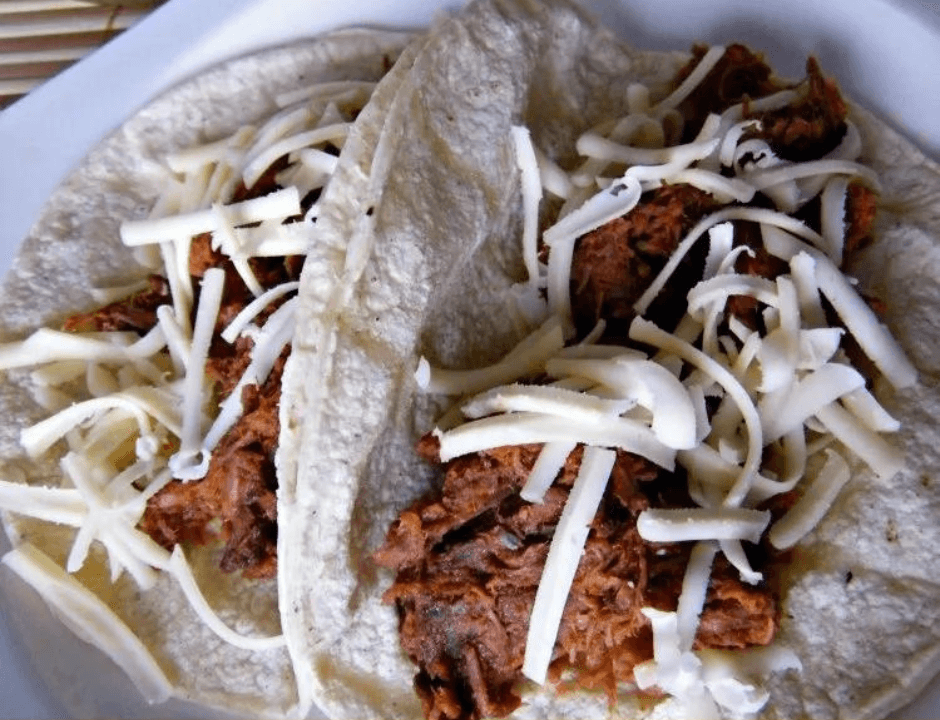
(39,38)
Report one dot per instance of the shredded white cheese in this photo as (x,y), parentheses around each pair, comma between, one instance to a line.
(553,178)
(182,572)
(769,177)
(803,274)
(561,564)
(806,397)
(729,144)
(531,196)
(277,205)
(547,400)
(813,504)
(57,505)
(254,308)
(600,148)
(524,428)
(734,552)
(527,357)
(138,403)
(832,216)
(725,189)
(550,462)
(224,239)
(646,332)
(869,411)
(644,382)
(46,345)
(884,459)
(256,165)
(694,589)
(326,90)
(874,338)
(184,463)
(727,523)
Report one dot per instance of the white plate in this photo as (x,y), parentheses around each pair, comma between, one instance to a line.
(883,53)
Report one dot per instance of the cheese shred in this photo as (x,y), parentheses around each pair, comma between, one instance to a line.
(564,555)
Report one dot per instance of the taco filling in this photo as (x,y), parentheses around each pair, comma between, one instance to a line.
(155,453)
(239,489)
(238,492)
(545,554)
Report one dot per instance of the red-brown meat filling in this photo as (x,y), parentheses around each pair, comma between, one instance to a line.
(236,500)
(811,127)
(614,264)
(469,560)
(803,130)
(137,313)
(739,75)
(239,489)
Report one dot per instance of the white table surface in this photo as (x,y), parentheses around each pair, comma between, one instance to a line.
(885,54)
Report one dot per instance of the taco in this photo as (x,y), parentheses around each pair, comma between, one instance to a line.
(422,584)
(147,321)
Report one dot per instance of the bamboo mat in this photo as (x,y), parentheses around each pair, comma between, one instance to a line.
(40,38)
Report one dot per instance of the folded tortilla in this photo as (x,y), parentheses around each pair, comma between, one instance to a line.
(860,609)
(75,247)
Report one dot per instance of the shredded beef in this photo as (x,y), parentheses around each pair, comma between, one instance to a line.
(812,127)
(861,208)
(226,363)
(239,488)
(805,130)
(202,256)
(181,512)
(614,264)
(137,313)
(469,559)
(740,74)
(236,500)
